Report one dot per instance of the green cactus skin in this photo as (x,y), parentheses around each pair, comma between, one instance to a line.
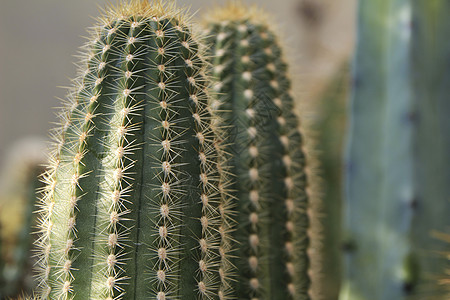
(256,106)
(330,124)
(132,203)
(398,153)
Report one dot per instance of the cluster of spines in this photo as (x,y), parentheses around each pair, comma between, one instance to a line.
(237,51)
(107,132)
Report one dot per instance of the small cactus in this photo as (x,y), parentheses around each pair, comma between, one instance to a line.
(256,106)
(19,189)
(398,152)
(134,195)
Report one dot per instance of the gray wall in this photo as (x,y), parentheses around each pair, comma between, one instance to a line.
(39,38)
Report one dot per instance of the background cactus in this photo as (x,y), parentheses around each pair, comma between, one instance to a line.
(329,123)
(17,274)
(131,209)
(256,106)
(398,153)
(444,277)
(19,185)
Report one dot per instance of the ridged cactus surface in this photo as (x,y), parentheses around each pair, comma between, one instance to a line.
(398,155)
(132,202)
(256,107)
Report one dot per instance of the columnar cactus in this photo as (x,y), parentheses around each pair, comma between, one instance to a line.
(133,206)
(18,200)
(256,105)
(444,276)
(17,273)
(398,154)
(330,123)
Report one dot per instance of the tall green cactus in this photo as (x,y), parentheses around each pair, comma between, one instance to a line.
(256,105)
(134,205)
(398,153)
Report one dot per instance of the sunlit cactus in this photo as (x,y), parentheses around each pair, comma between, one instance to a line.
(134,206)
(268,159)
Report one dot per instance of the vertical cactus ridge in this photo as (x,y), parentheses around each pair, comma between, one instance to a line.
(256,107)
(397,190)
(136,196)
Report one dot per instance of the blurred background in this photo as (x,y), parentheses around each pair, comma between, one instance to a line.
(39,39)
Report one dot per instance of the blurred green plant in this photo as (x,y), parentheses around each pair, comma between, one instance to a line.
(330,123)
(397,175)
(18,200)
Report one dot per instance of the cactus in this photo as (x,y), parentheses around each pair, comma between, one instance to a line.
(256,106)
(134,203)
(18,199)
(444,277)
(330,124)
(17,271)
(397,170)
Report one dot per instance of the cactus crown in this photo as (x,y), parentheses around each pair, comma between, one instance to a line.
(134,205)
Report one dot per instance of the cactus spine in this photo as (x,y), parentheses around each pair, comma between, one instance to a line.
(132,202)
(256,106)
(398,153)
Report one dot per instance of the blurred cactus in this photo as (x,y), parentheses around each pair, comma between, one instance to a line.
(398,153)
(134,198)
(444,278)
(18,199)
(330,123)
(271,185)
